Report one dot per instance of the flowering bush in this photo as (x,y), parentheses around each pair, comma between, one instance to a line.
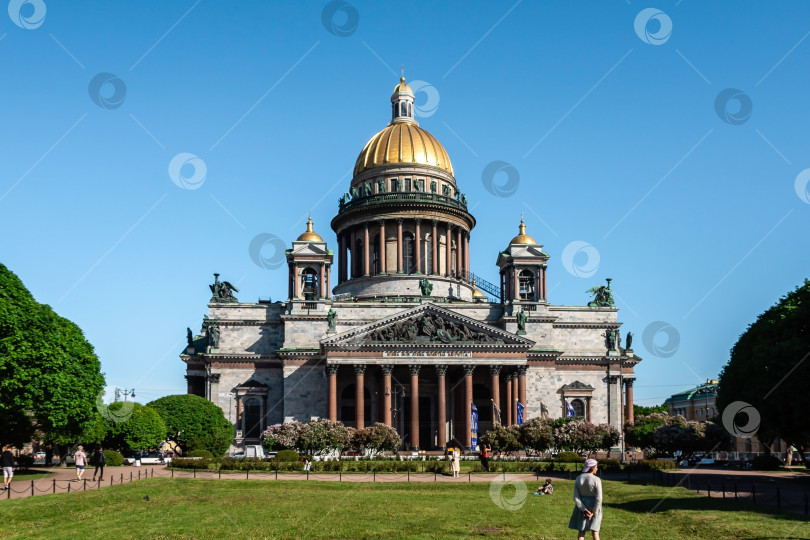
(537,434)
(377,438)
(282,436)
(582,437)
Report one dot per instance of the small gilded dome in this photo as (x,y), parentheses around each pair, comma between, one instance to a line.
(401,88)
(522,238)
(310,235)
(403,143)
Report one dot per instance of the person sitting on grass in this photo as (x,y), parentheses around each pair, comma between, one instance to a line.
(545,489)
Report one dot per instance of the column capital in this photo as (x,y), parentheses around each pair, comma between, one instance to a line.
(435,222)
(414,368)
(381,222)
(629,382)
(521,370)
(387,368)
(332,369)
(365,225)
(495,369)
(359,369)
(418,220)
(612,379)
(215,377)
(468,369)
(508,376)
(441,369)
(399,220)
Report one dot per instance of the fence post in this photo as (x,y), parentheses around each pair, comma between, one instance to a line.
(434,479)
(754,494)
(8,493)
(340,475)
(723,487)
(195,473)
(54,486)
(373,476)
(276,474)
(172,474)
(139,474)
(111,479)
(32,488)
(307,474)
(469,476)
(247,473)
(708,489)
(778,498)
(85,485)
(219,473)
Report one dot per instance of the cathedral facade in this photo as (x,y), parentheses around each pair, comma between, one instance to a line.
(407,335)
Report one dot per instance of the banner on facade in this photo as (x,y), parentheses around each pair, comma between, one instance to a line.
(474,427)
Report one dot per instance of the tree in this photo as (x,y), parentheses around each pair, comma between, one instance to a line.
(640,432)
(641,410)
(773,353)
(323,436)
(502,439)
(377,438)
(143,430)
(583,437)
(49,374)
(193,418)
(689,437)
(283,436)
(537,434)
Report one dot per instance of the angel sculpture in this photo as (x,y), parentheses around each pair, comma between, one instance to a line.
(602,295)
(222,291)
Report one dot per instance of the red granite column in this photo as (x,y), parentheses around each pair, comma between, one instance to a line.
(494,372)
(359,396)
(467,253)
(322,281)
(628,400)
(295,281)
(328,282)
(459,267)
(399,245)
(515,397)
(386,390)
(418,247)
(468,399)
(507,409)
(414,368)
(239,425)
(522,388)
(331,373)
(516,279)
(353,250)
(344,257)
(441,372)
(366,247)
(435,248)
(448,256)
(382,246)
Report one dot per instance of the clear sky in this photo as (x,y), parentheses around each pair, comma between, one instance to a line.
(662,148)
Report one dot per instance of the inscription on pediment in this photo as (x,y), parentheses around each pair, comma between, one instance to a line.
(428,328)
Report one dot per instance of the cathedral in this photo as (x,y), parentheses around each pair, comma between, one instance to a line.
(407,335)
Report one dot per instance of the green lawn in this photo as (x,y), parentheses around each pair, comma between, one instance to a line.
(187,508)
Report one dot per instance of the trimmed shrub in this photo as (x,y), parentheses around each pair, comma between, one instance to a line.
(569,457)
(205,454)
(287,455)
(114,458)
(191,463)
(243,464)
(765,463)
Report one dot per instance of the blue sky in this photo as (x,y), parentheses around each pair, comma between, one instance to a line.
(617,141)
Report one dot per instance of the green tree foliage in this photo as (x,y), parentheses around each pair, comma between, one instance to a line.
(537,434)
(641,410)
(143,430)
(49,375)
(640,433)
(192,418)
(773,353)
(689,437)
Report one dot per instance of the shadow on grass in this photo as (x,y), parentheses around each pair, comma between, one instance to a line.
(657,505)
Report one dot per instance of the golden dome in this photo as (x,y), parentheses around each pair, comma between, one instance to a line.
(522,238)
(476,292)
(310,235)
(403,143)
(402,88)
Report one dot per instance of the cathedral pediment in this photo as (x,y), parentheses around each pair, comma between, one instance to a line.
(301,249)
(427,325)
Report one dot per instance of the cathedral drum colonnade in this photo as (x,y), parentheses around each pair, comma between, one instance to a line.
(406,336)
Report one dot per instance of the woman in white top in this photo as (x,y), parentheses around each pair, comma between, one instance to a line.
(456,463)
(587,515)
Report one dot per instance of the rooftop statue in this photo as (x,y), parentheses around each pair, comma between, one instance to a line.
(602,296)
(331,317)
(629,339)
(222,291)
(189,337)
(426,287)
(522,317)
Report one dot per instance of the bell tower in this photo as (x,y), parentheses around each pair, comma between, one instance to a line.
(310,265)
(523,270)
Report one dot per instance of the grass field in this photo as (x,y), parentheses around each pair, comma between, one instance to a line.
(187,508)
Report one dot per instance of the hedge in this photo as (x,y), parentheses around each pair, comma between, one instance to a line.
(114,458)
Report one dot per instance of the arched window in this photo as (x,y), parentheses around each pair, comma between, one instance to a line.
(407,253)
(579,408)
(526,278)
(309,284)
(252,418)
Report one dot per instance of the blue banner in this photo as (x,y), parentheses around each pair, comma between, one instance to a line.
(569,410)
(474,427)
(520,413)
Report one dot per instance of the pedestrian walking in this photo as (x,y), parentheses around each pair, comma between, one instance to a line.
(80,461)
(456,463)
(485,458)
(7,461)
(587,515)
(100,460)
